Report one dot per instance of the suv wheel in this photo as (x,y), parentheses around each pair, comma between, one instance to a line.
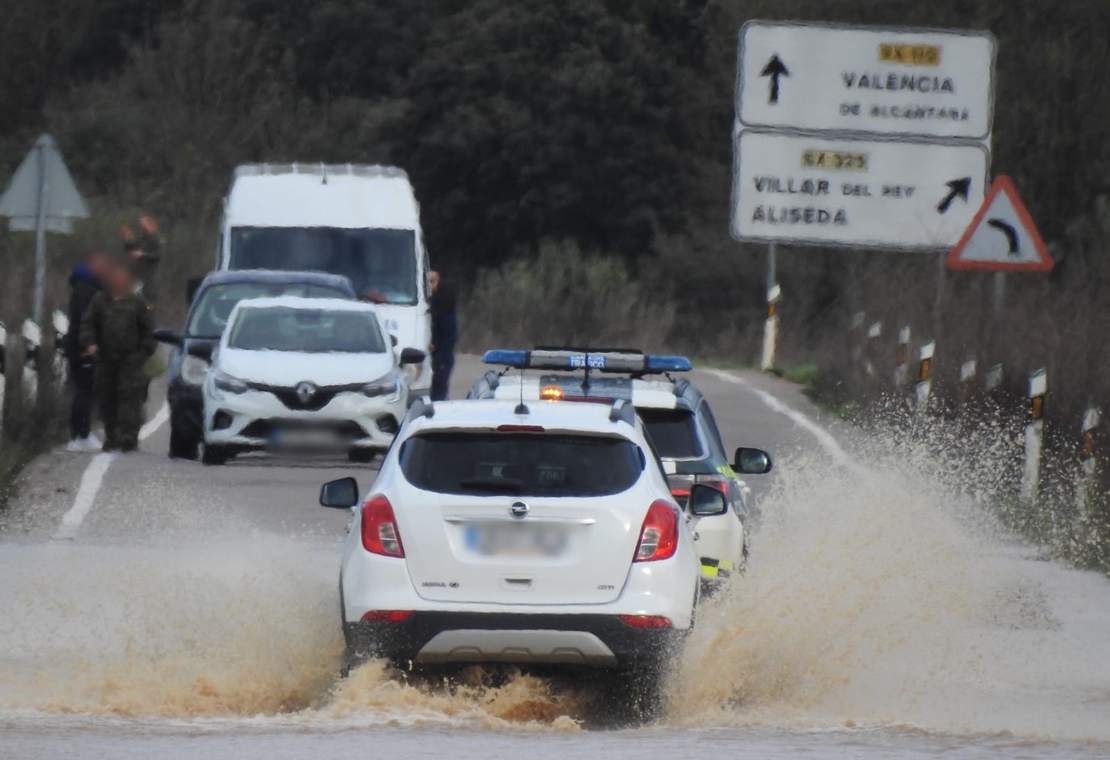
(183,445)
(215,455)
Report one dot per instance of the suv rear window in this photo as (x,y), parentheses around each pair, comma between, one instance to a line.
(674,432)
(529,464)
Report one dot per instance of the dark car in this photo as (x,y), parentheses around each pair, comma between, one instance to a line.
(211,304)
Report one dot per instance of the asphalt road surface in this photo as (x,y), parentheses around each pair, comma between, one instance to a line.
(158,608)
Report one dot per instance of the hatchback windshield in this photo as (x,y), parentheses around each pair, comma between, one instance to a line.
(673,431)
(529,464)
(380,263)
(283,328)
(208,317)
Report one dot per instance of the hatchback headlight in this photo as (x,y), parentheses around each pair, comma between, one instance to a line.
(226,382)
(387,385)
(194,370)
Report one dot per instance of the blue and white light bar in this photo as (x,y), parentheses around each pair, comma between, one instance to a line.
(602,361)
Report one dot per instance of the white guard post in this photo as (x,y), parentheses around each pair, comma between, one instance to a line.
(924,376)
(967,379)
(858,339)
(1087,461)
(1034,436)
(771,328)
(874,333)
(902,358)
(993,380)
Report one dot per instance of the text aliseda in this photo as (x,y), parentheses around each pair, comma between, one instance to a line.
(814,188)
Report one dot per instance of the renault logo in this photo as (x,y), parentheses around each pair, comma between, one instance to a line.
(519,510)
(305,391)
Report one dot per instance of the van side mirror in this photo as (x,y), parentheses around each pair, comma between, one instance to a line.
(752,462)
(411,356)
(339,494)
(707,501)
(166,335)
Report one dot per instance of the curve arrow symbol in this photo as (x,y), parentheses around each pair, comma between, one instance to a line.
(956,188)
(1008,230)
(775,68)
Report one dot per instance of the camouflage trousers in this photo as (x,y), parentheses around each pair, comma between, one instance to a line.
(121,392)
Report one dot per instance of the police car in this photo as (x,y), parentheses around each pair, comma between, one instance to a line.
(676,415)
(521,533)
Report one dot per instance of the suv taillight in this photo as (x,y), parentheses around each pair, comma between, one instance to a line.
(379,528)
(659,536)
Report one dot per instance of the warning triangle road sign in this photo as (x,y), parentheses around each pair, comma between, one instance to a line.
(1002,236)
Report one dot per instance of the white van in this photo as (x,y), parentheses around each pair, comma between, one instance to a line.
(362,222)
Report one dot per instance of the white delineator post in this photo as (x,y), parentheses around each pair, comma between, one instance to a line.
(924,376)
(967,379)
(1034,436)
(874,333)
(993,380)
(771,328)
(1087,460)
(902,358)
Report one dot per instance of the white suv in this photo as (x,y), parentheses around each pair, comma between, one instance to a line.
(503,533)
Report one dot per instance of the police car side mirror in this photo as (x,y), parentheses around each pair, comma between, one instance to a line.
(707,501)
(339,494)
(752,461)
(166,335)
(411,356)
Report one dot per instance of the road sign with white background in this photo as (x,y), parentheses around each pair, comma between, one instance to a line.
(813,77)
(890,194)
(1002,237)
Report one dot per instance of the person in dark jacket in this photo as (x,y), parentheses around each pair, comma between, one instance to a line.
(445,334)
(145,250)
(84,283)
(117,331)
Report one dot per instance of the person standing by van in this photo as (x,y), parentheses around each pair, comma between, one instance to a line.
(145,250)
(445,333)
(85,282)
(117,331)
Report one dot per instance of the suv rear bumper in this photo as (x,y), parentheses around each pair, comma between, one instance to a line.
(435,638)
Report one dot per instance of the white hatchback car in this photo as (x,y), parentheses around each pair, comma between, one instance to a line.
(306,374)
(505,533)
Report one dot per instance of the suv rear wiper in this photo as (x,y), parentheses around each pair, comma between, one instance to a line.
(492,484)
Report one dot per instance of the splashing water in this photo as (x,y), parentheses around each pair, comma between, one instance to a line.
(876,597)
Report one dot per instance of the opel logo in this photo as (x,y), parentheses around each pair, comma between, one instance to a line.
(518,510)
(305,391)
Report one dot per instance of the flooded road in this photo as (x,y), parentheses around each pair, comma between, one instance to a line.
(195,614)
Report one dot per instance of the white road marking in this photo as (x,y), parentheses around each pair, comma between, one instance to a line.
(824,437)
(92,478)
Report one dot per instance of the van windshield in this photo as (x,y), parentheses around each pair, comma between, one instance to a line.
(380,263)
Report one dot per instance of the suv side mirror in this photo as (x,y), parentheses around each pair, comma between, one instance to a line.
(707,501)
(166,335)
(752,462)
(412,356)
(339,494)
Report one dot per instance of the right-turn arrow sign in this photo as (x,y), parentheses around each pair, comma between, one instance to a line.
(1002,237)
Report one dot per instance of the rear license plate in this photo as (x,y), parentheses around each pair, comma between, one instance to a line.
(521,540)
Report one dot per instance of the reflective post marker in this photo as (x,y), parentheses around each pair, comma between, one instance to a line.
(874,333)
(902,358)
(967,379)
(1034,436)
(771,329)
(924,376)
(1087,460)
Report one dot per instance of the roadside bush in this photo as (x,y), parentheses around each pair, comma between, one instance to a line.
(563,297)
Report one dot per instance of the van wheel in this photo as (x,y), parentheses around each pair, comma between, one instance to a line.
(215,455)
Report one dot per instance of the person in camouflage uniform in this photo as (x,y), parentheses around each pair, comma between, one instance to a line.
(117,332)
(145,250)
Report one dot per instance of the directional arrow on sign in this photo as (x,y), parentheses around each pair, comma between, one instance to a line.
(775,68)
(956,188)
(1010,232)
